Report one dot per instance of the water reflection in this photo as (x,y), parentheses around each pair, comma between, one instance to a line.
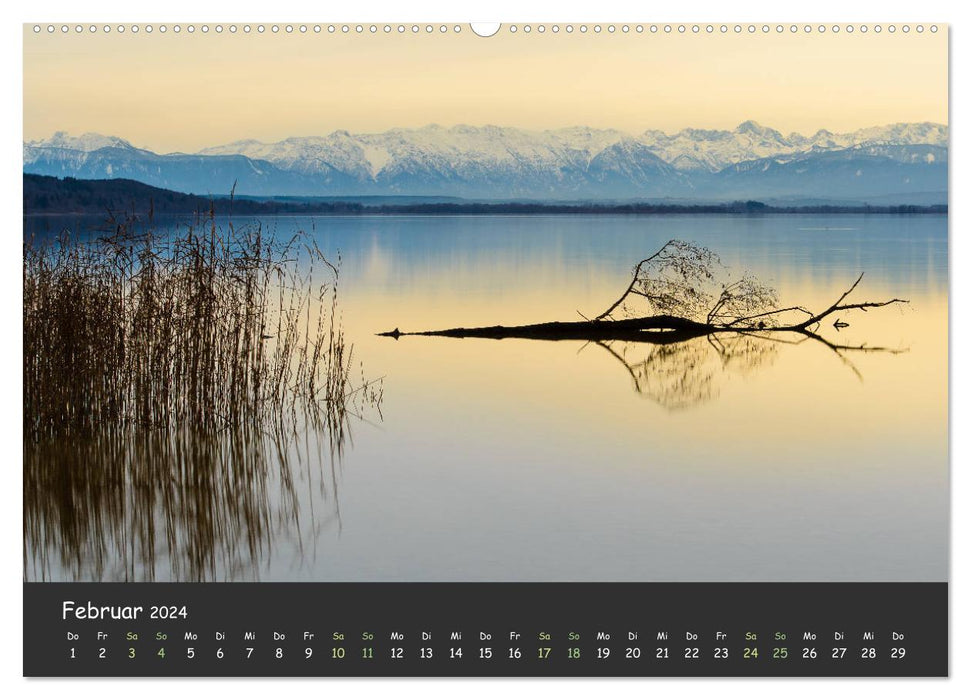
(141,505)
(688,373)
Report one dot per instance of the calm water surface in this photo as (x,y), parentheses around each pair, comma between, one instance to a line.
(521,460)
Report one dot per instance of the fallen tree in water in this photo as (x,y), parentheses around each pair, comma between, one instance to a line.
(689,294)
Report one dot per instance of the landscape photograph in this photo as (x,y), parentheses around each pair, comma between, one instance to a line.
(404,303)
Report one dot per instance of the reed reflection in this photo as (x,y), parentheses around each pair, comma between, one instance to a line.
(137,504)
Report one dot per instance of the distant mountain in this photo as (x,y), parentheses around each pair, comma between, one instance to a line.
(857,173)
(699,149)
(491,162)
(181,172)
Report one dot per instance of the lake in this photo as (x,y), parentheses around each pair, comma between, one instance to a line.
(522,460)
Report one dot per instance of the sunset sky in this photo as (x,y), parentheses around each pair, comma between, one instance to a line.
(181,92)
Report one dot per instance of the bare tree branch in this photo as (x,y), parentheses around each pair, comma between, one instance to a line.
(633,282)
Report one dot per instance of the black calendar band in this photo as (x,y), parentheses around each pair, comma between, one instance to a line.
(486,629)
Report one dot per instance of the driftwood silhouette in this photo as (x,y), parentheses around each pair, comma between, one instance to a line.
(682,285)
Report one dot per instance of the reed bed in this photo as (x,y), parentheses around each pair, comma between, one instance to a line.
(177,389)
(212,326)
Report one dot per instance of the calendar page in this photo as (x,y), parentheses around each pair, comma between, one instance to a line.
(436,349)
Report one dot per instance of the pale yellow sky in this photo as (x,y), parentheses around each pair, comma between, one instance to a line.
(185,92)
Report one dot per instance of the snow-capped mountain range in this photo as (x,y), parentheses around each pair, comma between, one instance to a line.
(492,162)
